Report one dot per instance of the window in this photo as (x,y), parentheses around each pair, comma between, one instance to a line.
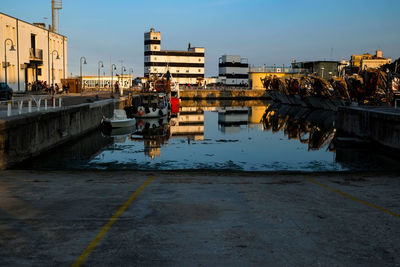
(154,38)
(199,59)
(155,58)
(187,71)
(199,70)
(155,47)
(177,70)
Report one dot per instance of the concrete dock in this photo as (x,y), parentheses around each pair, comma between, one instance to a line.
(198,218)
(380,125)
(29,134)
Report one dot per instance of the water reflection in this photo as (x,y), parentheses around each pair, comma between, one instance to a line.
(156,132)
(254,136)
(313,127)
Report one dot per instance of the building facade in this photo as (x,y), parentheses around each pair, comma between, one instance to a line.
(369,61)
(40,54)
(186,67)
(256,74)
(233,71)
(92,82)
(323,69)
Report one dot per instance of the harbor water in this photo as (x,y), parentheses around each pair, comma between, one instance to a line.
(250,137)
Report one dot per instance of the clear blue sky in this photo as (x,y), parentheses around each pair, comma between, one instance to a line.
(265,32)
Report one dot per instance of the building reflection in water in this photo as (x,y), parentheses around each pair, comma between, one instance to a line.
(234,119)
(231,119)
(156,132)
(313,127)
(189,123)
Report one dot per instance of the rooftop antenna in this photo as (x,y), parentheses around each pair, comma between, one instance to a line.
(55,6)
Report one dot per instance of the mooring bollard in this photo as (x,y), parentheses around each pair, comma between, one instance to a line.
(45,104)
(20,106)
(9,108)
(59,102)
(29,105)
(38,104)
(54,102)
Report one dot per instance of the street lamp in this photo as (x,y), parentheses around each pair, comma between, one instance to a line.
(122,73)
(131,72)
(113,67)
(52,66)
(99,66)
(12,48)
(84,62)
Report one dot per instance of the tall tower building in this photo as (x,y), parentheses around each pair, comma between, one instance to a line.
(186,67)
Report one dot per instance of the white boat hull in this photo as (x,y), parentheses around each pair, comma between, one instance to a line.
(120,123)
(119,120)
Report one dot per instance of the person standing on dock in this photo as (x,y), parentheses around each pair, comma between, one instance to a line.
(116,86)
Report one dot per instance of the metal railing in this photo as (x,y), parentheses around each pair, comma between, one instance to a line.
(220,88)
(277,69)
(35,54)
(23,105)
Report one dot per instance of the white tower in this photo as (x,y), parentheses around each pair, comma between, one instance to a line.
(152,44)
(152,40)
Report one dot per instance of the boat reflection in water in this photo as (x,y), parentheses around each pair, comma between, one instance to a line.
(313,127)
(154,133)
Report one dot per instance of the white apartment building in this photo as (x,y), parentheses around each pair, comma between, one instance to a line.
(186,67)
(32,58)
(233,70)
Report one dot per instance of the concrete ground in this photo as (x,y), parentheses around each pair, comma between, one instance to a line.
(198,218)
(67,100)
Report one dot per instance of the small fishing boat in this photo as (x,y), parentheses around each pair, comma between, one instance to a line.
(119,120)
(148,105)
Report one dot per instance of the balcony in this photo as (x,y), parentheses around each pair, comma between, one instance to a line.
(36,54)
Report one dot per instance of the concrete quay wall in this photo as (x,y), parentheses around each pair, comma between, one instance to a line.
(380,125)
(24,136)
(223,94)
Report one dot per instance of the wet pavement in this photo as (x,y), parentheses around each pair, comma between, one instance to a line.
(199,218)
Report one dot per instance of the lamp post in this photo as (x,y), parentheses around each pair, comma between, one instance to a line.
(99,66)
(131,72)
(80,70)
(52,66)
(12,48)
(113,67)
(122,73)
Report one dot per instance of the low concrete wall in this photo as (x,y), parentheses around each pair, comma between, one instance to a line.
(380,126)
(223,94)
(224,102)
(28,135)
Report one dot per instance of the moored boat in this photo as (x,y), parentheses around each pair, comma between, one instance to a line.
(119,120)
(148,105)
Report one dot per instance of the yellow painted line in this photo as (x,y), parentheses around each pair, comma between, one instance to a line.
(355,199)
(107,227)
